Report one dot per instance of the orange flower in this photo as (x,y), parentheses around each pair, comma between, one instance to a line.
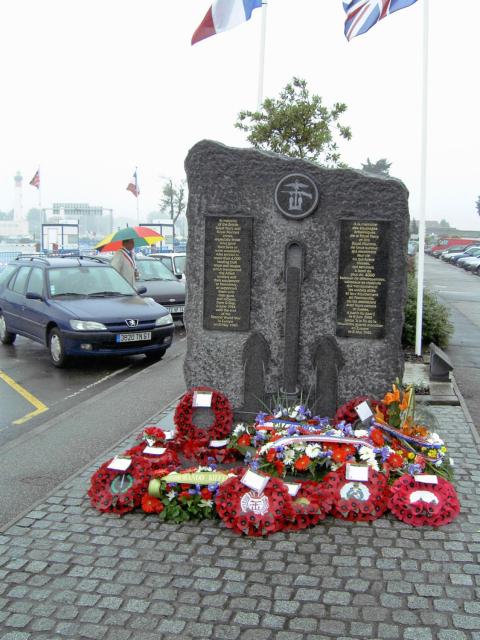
(377,437)
(206,493)
(421,431)
(302,463)
(151,504)
(271,453)
(379,417)
(244,440)
(279,466)
(393,396)
(395,460)
(406,400)
(341,452)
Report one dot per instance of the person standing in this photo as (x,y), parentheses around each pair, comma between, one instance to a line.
(124,262)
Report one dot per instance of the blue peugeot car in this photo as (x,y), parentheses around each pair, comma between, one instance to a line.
(79,306)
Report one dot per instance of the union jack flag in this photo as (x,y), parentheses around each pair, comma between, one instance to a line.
(133,185)
(363,14)
(35,181)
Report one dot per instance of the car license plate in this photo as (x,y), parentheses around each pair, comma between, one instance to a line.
(133,337)
(175,309)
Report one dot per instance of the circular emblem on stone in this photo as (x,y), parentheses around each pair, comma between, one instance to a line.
(296,196)
(256,502)
(355,491)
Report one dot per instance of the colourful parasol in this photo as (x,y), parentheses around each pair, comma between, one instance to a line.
(142,236)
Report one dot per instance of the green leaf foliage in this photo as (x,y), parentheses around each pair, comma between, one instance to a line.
(436,326)
(297,124)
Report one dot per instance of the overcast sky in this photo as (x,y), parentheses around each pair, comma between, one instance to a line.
(93,88)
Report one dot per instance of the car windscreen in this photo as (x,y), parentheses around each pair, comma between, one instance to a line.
(87,281)
(180,263)
(153,270)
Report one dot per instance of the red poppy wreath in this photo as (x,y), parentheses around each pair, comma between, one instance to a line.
(167,460)
(421,504)
(222,410)
(119,492)
(311,504)
(200,450)
(254,514)
(362,501)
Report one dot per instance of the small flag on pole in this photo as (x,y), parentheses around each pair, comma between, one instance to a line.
(364,14)
(133,185)
(35,181)
(224,15)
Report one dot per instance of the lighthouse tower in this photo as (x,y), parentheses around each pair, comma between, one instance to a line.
(18,205)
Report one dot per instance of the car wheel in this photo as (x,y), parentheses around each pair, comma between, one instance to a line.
(5,336)
(57,349)
(155,356)
(477,271)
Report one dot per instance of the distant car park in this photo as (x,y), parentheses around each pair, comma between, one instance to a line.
(79,306)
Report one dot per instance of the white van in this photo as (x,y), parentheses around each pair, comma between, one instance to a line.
(173,261)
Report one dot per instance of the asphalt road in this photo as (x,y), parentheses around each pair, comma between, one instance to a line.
(460,292)
(33,391)
(38,455)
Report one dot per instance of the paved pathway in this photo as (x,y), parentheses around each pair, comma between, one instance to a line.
(66,571)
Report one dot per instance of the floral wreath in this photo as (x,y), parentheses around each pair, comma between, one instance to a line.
(346,413)
(254,514)
(358,501)
(421,504)
(311,504)
(168,460)
(221,408)
(183,495)
(200,450)
(119,492)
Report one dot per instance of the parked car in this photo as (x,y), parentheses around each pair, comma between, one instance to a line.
(158,283)
(451,252)
(175,262)
(78,306)
(474,265)
(161,285)
(470,251)
(466,260)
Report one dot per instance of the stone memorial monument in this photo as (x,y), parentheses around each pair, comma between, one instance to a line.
(296,278)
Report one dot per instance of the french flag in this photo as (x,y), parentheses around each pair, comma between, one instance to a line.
(224,15)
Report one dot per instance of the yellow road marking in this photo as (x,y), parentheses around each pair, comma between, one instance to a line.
(39,406)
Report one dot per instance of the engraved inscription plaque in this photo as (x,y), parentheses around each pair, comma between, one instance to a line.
(362,279)
(227,273)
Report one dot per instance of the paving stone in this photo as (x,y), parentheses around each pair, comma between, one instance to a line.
(226,632)
(171,626)
(246,618)
(450,634)
(273,621)
(303,624)
(466,622)
(42,624)
(91,615)
(18,620)
(386,631)
(417,633)
(69,629)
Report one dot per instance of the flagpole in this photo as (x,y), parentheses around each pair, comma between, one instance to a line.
(261,65)
(423,189)
(40,195)
(138,195)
